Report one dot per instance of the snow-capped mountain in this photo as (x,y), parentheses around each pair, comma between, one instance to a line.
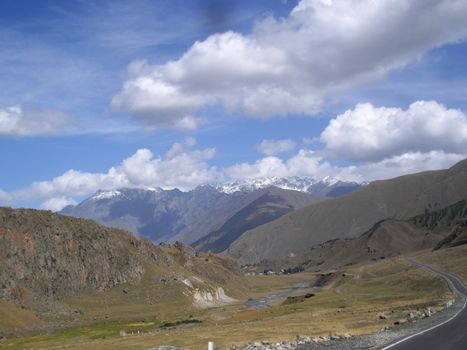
(105,195)
(168,215)
(109,194)
(303,184)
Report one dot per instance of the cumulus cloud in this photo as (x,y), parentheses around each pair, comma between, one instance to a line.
(306,163)
(71,183)
(407,163)
(19,121)
(179,168)
(303,163)
(57,203)
(182,167)
(369,133)
(272,147)
(185,168)
(375,142)
(289,65)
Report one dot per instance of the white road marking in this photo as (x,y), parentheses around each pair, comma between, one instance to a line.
(453,287)
(426,330)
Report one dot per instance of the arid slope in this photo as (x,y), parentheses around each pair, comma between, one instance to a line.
(351,215)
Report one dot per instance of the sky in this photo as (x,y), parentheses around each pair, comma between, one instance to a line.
(170,93)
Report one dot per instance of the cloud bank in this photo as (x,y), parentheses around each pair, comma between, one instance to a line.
(181,167)
(289,65)
(375,142)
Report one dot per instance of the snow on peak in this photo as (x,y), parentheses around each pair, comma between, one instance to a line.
(106,195)
(329,180)
(302,184)
(295,183)
(154,189)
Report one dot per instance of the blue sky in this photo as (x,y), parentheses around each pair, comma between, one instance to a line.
(107,94)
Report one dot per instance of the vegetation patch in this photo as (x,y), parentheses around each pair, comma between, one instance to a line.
(297,299)
(178,323)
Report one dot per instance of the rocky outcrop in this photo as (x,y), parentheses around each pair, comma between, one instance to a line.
(56,256)
(50,256)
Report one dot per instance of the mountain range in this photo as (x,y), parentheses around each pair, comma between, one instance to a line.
(284,219)
(56,268)
(188,217)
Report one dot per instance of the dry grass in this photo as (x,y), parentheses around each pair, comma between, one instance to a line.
(15,319)
(351,304)
(453,260)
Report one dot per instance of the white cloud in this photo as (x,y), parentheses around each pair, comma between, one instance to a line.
(181,167)
(272,147)
(303,163)
(288,65)
(58,203)
(369,133)
(185,168)
(311,164)
(71,183)
(19,121)
(406,163)
(376,142)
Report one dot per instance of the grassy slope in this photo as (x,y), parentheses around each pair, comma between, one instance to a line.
(453,260)
(350,215)
(351,304)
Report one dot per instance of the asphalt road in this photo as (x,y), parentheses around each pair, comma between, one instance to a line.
(450,335)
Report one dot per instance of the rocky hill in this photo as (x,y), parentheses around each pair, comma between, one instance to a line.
(47,259)
(350,215)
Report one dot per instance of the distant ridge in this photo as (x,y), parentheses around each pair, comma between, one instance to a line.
(272,204)
(351,215)
(323,187)
(443,228)
(174,215)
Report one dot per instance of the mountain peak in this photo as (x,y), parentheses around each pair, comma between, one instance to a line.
(295,183)
(106,194)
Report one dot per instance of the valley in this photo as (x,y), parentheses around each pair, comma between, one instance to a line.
(362,299)
(233,175)
(71,282)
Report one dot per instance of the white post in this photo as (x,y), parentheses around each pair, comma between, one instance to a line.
(210,345)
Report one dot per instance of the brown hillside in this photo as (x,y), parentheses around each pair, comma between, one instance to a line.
(350,215)
(51,263)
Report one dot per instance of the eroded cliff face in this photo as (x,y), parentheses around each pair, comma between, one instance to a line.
(49,257)
(55,256)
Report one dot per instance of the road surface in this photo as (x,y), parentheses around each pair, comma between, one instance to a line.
(449,335)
